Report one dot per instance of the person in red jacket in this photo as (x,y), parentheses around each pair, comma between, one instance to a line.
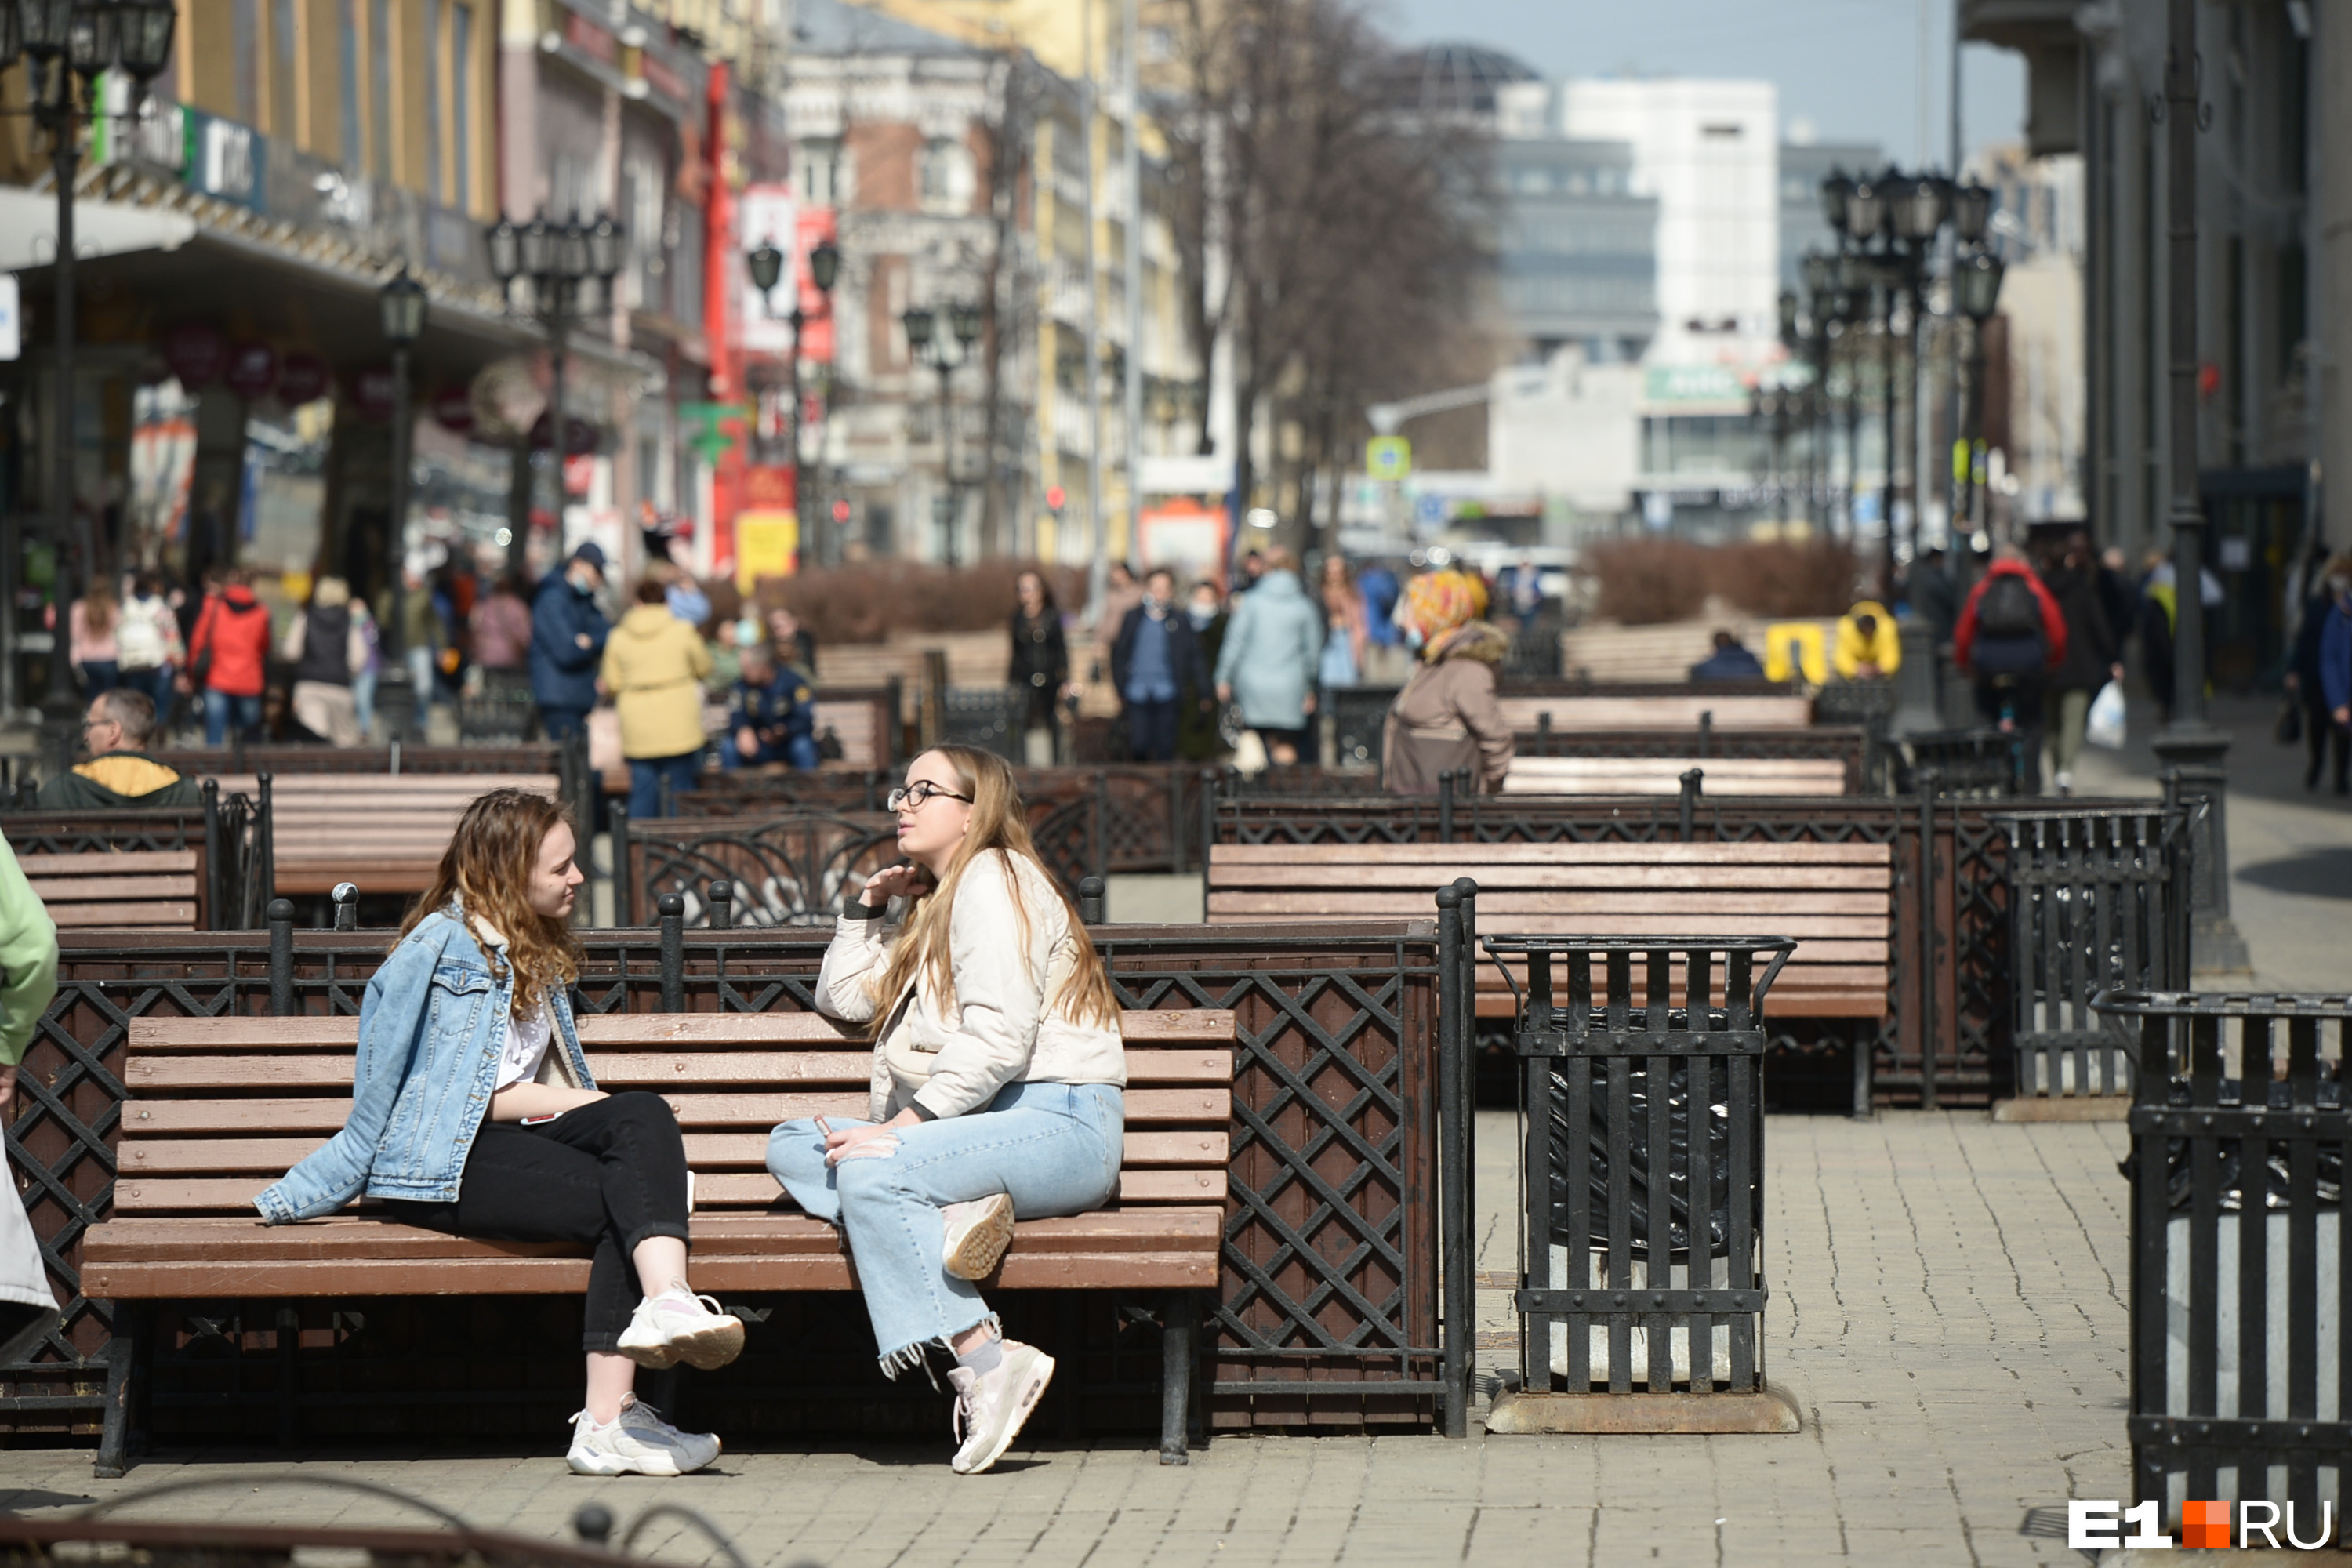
(2011,636)
(230,645)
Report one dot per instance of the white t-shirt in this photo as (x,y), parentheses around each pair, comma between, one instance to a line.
(527,1042)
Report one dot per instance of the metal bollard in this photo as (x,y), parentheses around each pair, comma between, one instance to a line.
(1446,807)
(722,904)
(346,898)
(1706,732)
(216,868)
(672,910)
(1692,780)
(625,877)
(281,958)
(1090,902)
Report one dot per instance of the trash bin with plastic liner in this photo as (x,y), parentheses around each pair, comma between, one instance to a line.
(2240,1386)
(1640,1225)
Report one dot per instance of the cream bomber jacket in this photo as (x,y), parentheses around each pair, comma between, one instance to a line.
(1001,1031)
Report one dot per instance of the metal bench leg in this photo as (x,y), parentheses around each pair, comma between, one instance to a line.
(1176,1379)
(1865,1048)
(114,1437)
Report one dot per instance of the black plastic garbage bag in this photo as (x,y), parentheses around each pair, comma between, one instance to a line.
(2277,1179)
(1635,1179)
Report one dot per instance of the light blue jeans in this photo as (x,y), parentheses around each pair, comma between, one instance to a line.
(1052,1147)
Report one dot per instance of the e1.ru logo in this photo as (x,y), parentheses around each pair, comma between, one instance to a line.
(2204,1524)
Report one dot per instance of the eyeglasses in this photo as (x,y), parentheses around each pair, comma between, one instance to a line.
(915,795)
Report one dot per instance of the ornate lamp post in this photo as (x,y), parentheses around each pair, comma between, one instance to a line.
(944,350)
(402,302)
(67,45)
(1976,293)
(557,259)
(767,264)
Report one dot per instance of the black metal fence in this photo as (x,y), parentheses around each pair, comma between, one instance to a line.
(1641,1179)
(2240,1383)
(1327,1311)
(232,834)
(2097,903)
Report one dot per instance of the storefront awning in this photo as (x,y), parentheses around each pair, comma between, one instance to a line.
(28,228)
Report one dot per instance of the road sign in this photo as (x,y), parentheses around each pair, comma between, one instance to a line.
(1388,458)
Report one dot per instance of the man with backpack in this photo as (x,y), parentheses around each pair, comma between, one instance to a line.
(2011,636)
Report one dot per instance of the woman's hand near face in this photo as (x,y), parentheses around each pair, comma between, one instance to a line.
(905,881)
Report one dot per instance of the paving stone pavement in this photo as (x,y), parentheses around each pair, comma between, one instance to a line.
(1946,1312)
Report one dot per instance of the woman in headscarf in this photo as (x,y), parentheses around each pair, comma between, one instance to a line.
(1447,716)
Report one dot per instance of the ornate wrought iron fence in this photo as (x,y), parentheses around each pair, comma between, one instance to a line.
(783,871)
(1641,1217)
(2240,1385)
(229,837)
(1327,1310)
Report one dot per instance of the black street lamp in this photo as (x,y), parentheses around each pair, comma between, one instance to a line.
(767,264)
(402,300)
(64,42)
(1976,293)
(944,350)
(556,259)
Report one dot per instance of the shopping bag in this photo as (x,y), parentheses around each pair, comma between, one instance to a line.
(28,1305)
(2288,731)
(2106,725)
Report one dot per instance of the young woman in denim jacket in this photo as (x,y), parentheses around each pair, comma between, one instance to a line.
(998,1071)
(473,1112)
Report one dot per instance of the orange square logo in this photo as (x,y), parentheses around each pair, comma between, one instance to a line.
(2206,1525)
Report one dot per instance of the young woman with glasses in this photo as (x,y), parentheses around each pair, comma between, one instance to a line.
(996,1091)
(473,1112)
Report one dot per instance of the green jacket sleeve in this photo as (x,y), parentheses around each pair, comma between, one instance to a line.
(28,959)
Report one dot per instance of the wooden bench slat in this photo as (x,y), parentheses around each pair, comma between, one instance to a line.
(1601,913)
(108,862)
(80,890)
(1626,878)
(267,1158)
(1373,856)
(334,1068)
(161,914)
(1168,1025)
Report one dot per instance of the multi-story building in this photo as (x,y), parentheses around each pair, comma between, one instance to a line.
(1576,254)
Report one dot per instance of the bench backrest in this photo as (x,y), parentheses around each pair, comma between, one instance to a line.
(157,890)
(219,1108)
(1668,710)
(384,831)
(1662,775)
(1836,900)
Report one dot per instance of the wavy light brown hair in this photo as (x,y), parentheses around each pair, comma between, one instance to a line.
(486,871)
(998,823)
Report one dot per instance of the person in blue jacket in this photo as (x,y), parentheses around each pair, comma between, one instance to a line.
(567,642)
(770,716)
(2336,659)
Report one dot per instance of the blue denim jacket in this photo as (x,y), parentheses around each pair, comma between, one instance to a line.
(433,1027)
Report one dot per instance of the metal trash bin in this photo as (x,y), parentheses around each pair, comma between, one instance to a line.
(2239,1382)
(1642,1267)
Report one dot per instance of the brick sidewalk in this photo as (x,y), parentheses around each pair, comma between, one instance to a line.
(1947,1310)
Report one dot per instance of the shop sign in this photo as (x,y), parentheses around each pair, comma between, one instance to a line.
(578,475)
(590,39)
(224,159)
(252,370)
(197,355)
(302,379)
(769,486)
(454,410)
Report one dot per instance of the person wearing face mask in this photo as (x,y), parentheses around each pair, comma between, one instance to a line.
(567,642)
(1198,737)
(1154,662)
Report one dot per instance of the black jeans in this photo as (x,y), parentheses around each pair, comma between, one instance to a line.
(607,1175)
(2022,696)
(1151,729)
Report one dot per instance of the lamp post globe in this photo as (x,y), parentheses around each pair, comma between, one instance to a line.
(964,320)
(1836,191)
(1821,276)
(12,35)
(538,247)
(571,250)
(146,41)
(47,27)
(767,264)
(917,323)
(1917,207)
(93,35)
(402,300)
(1972,212)
(825,265)
(505,242)
(1976,284)
(606,241)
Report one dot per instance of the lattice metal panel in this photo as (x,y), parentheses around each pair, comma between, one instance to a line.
(785,871)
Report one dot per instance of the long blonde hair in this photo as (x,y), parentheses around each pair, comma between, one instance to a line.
(486,872)
(997,824)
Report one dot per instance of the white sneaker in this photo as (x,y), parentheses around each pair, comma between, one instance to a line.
(2066,781)
(989,1409)
(977,1233)
(677,1327)
(638,1443)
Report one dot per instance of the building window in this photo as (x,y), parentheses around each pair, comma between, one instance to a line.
(380,87)
(461,106)
(246,20)
(946,176)
(432,181)
(281,70)
(818,172)
(349,46)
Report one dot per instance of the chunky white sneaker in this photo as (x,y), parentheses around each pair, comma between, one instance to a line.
(990,1408)
(639,1443)
(677,1327)
(977,1233)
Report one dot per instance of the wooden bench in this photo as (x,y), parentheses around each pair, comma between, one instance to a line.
(219,1108)
(1668,710)
(1662,775)
(1836,900)
(152,889)
(384,831)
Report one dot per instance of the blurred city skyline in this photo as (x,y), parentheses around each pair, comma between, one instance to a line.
(1846,69)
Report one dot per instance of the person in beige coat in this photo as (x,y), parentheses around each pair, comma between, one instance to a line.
(1447,716)
(654,666)
(998,1085)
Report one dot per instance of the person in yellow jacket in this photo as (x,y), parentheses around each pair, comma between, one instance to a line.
(654,666)
(1868,647)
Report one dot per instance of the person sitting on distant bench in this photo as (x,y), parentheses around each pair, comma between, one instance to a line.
(119,774)
(1729,661)
(770,716)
